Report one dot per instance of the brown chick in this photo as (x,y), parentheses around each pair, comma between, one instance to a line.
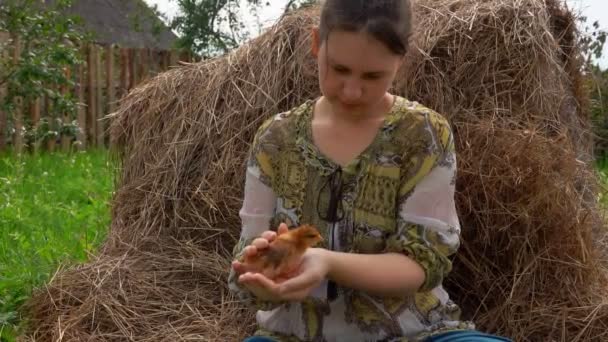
(283,254)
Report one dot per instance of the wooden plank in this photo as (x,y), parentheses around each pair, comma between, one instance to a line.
(66,139)
(18,115)
(110,87)
(164,57)
(124,72)
(143,64)
(154,62)
(91,105)
(35,119)
(81,136)
(132,76)
(99,125)
(164,63)
(35,113)
(47,110)
(3,114)
(50,144)
(173,58)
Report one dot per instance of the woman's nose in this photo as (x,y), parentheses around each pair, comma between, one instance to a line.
(352,90)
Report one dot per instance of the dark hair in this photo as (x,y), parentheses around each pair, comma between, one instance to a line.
(389,21)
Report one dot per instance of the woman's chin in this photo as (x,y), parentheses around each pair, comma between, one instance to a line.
(342,108)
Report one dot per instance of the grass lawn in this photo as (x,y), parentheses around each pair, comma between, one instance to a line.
(602,166)
(53,209)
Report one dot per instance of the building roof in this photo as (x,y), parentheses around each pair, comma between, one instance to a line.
(128,23)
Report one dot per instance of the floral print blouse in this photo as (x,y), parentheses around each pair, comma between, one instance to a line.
(396,196)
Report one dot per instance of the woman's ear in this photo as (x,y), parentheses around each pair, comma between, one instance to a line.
(315,42)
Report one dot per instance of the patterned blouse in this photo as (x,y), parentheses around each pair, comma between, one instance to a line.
(396,196)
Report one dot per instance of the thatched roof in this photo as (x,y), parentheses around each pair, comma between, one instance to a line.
(128,23)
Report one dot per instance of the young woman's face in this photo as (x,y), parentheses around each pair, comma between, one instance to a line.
(355,70)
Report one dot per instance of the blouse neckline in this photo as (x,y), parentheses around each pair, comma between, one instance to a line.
(326,164)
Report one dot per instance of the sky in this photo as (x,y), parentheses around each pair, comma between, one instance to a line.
(594,10)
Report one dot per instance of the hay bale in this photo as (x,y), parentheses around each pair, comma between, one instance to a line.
(507,76)
(162,290)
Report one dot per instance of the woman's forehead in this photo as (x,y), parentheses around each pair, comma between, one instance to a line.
(358,51)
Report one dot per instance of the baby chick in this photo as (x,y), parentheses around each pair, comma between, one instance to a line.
(283,254)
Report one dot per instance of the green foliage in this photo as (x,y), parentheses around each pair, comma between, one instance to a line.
(209,27)
(602,168)
(53,209)
(147,16)
(295,4)
(214,27)
(592,40)
(598,89)
(50,43)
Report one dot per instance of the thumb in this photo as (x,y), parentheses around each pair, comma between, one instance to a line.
(303,281)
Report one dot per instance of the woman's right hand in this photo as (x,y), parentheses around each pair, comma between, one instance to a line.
(245,273)
(258,244)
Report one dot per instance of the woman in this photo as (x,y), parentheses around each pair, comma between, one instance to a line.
(375,173)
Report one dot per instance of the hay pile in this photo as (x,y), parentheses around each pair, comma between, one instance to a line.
(506,74)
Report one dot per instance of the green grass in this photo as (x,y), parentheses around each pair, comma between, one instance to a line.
(602,166)
(53,210)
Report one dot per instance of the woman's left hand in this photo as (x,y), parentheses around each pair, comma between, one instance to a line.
(314,268)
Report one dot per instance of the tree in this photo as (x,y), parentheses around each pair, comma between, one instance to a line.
(592,41)
(49,43)
(214,27)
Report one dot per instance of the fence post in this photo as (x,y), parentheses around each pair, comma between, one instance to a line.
(18,119)
(3,114)
(3,122)
(173,58)
(110,90)
(124,72)
(65,139)
(35,117)
(143,64)
(81,135)
(91,106)
(164,63)
(99,125)
(132,61)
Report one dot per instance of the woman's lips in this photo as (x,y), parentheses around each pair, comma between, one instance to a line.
(349,105)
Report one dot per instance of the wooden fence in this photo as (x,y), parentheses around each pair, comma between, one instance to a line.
(108,73)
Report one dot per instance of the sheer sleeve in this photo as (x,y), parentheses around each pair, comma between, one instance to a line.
(259,201)
(428,229)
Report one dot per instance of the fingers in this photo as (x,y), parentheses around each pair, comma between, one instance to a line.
(264,240)
(282,229)
(268,235)
(239,267)
(260,243)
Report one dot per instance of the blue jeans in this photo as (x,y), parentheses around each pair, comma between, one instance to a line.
(466,336)
(451,336)
(258,339)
